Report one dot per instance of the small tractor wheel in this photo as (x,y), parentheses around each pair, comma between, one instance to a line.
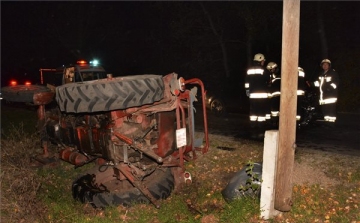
(22,93)
(107,95)
(242,178)
(217,107)
(160,183)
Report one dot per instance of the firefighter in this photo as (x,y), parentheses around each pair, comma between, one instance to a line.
(328,82)
(300,92)
(256,86)
(275,78)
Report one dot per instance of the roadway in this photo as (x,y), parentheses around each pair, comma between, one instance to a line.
(344,138)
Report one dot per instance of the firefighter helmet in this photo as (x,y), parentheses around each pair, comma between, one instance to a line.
(259,57)
(325,61)
(271,65)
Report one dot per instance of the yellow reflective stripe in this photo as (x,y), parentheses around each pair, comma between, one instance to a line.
(316,83)
(276,93)
(330,118)
(255,71)
(328,101)
(247,85)
(333,85)
(300,92)
(328,79)
(258,95)
(321,91)
(275,79)
(253,118)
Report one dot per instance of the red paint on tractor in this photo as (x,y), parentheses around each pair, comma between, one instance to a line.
(127,126)
(69,155)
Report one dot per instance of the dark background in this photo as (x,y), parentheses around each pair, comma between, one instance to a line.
(214,41)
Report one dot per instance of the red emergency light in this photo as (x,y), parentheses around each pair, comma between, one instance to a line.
(81,62)
(13,83)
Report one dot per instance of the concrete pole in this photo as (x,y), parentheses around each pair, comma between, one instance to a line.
(288,101)
(270,154)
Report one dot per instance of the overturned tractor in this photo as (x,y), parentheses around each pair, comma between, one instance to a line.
(137,131)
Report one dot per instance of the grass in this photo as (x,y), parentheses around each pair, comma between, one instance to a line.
(44,195)
(15,114)
(19,183)
(316,204)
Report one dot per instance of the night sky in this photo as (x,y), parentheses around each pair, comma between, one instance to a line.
(161,37)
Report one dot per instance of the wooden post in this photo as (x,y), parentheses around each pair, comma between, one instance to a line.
(288,100)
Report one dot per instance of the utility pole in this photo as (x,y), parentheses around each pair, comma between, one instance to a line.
(288,101)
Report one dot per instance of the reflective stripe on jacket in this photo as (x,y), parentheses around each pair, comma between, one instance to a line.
(256,82)
(328,86)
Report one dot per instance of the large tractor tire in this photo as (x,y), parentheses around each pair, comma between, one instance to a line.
(160,183)
(22,93)
(107,95)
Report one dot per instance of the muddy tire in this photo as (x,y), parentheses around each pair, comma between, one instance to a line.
(160,184)
(22,93)
(107,95)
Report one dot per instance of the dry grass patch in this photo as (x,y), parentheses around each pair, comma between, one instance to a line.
(19,182)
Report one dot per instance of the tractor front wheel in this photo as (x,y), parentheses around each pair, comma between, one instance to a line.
(22,93)
(160,183)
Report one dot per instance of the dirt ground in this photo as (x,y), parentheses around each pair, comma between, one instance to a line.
(310,166)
